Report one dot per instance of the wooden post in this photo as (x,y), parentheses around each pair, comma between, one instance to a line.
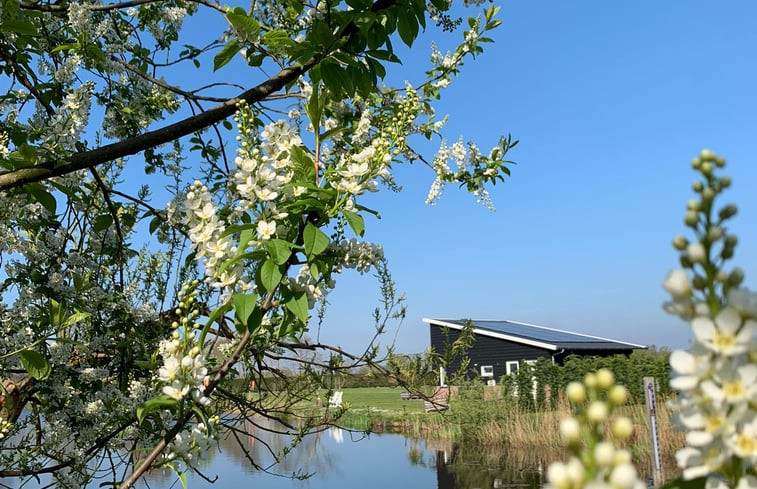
(649,393)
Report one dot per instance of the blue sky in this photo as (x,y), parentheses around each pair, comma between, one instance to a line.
(610,102)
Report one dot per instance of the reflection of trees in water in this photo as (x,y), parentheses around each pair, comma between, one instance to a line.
(465,466)
(262,444)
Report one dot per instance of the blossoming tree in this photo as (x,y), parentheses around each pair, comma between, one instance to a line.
(118,353)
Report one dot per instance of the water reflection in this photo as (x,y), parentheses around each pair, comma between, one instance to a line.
(340,459)
(337,459)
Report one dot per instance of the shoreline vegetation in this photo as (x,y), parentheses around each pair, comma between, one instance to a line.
(495,426)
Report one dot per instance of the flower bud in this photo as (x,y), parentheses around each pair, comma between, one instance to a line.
(699,282)
(736,277)
(722,276)
(576,392)
(570,431)
(696,252)
(706,168)
(597,412)
(719,162)
(557,475)
(618,395)
(576,472)
(177,311)
(691,218)
(725,182)
(696,163)
(175,324)
(679,243)
(622,456)
(623,476)
(714,233)
(730,241)
(590,380)
(706,155)
(622,428)
(604,453)
(605,378)
(677,284)
(708,194)
(728,211)
(692,205)
(698,187)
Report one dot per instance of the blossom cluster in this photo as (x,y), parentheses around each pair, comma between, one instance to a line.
(596,463)
(183,373)
(360,255)
(192,445)
(717,376)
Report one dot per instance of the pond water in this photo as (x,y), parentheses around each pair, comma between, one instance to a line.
(339,459)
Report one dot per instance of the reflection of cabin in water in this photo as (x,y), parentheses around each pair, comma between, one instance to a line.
(500,346)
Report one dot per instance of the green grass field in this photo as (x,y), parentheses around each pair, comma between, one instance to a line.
(379,400)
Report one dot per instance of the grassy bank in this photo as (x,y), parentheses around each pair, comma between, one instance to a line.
(492,423)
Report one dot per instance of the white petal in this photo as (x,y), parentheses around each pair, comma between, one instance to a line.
(728,320)
(704,328)
(698,438)
(682,362)
(747,482)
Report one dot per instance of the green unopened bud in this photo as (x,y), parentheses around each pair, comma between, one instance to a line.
(730,241)
(696,163)
(680,243)
(184,321)
(736,277)
(714,233)
(618,395)
(699,282)
(691,218)
(726,253)
(622,428)
(719,162)
(576,392)
(177,312)
(706,168)
(725,182)
(590,380)
(195,282)
(707,155)
(721,276)
(605,378)
(692,205)
(597,412)
(728,211)
(698,186)
(685,261)
(175,324)
(708,194)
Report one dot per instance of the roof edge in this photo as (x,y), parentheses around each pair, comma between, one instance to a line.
(634,345)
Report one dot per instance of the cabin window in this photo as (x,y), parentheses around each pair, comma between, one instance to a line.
(487,371)
(511,367)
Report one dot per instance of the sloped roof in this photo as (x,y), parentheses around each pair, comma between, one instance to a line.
(538,336)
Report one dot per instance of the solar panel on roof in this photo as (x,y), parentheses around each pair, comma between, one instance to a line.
(533,332)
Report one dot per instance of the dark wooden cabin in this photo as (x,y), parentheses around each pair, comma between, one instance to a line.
(501,346)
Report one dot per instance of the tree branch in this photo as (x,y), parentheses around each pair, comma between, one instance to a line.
(120,149)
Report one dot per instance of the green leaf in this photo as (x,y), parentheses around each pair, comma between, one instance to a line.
(247,28)
(42,196)
(217,312)
(315,240)
(155,224)
(279,250)
(36,364)
(298,304)
(407,27)
(356,222)
(75,318)
(244,304)
(153,405)
(270,275)
(226,54)
(102,222)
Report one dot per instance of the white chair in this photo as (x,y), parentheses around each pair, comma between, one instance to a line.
(335,400)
